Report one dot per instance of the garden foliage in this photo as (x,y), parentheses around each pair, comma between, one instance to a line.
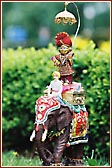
(27,72)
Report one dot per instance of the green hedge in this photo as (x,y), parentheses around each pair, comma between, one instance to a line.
(27,72)
(93,71)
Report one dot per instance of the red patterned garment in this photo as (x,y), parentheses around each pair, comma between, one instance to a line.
(80,124)
(44,105)
(79,128)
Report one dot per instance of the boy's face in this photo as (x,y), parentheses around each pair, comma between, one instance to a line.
(64,49)
(55,76)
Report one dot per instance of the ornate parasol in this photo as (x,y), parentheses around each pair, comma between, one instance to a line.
(65,17)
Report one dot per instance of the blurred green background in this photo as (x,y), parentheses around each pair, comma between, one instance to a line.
(28,44)
(32,23)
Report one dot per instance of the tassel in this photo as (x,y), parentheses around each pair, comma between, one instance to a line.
(37,128)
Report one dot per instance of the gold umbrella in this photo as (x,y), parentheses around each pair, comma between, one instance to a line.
(65,17)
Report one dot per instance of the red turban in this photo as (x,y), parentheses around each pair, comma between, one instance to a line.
(63,38)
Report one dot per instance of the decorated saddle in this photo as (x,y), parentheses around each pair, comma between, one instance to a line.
(79,126)
(74,97)
(45,105)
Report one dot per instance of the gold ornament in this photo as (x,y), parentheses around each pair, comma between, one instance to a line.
(65,17)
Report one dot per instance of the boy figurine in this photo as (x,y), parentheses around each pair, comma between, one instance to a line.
(54,90)
(64,59)
(55,87)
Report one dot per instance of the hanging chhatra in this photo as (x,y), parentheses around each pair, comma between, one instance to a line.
(65,17)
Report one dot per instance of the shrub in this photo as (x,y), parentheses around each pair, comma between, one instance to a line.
(27,72)
(92,68)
